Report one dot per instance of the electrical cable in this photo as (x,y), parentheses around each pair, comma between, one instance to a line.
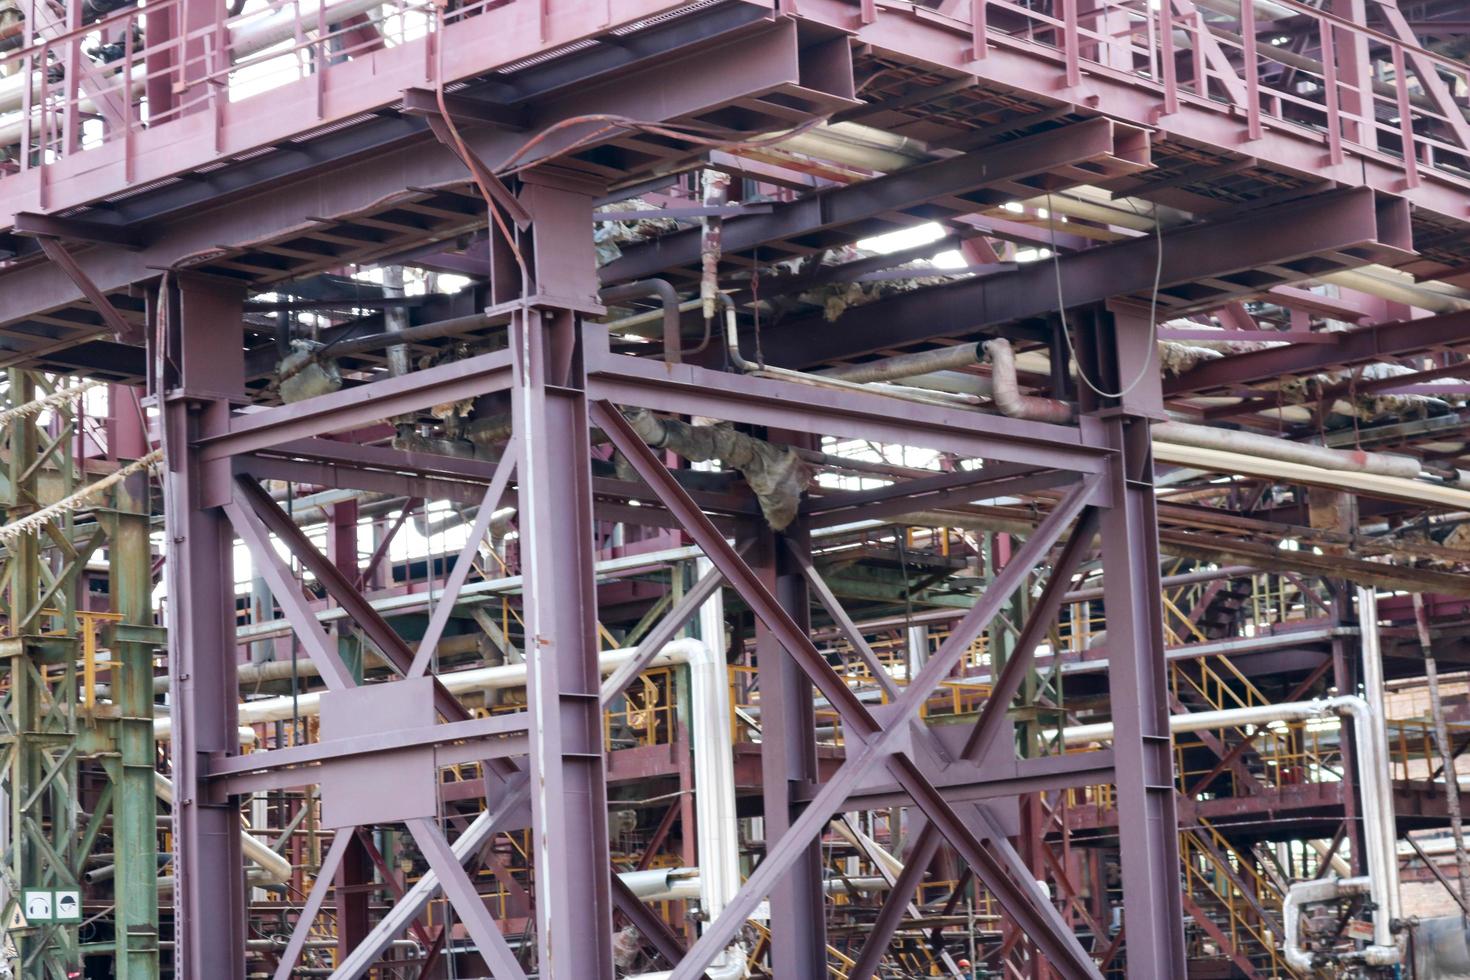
(1153,306)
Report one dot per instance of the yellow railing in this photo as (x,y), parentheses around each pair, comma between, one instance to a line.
(1217,877)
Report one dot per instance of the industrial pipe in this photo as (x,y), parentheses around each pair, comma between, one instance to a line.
(668,296)
(1285,450)
(1373,781)
(1006,390)
(903,366)
(276,868)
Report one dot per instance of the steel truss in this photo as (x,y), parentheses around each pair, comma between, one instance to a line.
(544,767)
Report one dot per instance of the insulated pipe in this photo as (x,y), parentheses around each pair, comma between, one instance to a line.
(276,868)
(459,682)
(409,335)
(909,365)
(1366,484)
(1374,693)
(1270,447)
(661,288)
(1373,780)
(1007,391)
(732,347)
(1303,893)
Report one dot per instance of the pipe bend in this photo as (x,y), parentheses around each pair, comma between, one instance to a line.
(1006,390)
(668,296)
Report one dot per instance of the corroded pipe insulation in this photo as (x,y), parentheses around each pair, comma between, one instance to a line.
(777,475)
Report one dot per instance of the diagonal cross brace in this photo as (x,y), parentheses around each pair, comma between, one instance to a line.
(461,893)
(876,738)
(340,588)
(460,574)
(314,899)
(287,593)
(987,727)
(125,330)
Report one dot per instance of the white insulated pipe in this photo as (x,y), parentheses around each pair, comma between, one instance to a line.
(1006,390)
(276,868)
(1373,780)
(459,682)
(1285,450)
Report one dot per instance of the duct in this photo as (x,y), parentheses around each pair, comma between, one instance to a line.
(1373,781)
(1270,447)
(273,867)
(661,288)
(1007,391)
(1442,949)
(777,476)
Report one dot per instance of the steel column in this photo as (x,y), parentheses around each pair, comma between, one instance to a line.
(789,760)
(1138,674)
(209,892)
(568,800)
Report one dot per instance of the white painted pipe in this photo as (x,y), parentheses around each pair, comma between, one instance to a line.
(1302,894)
(1366,484)
(1270,447)
(1374,689)
(1373,780)
(459,682)
(276,868)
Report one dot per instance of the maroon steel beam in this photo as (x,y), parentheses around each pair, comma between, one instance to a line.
(788,752)
(352,408)
(1001,168)
(209,895)
(987,729)
(649,924)
(314,899)
(465,562)
(569,839)
(342,589)
(288,595)
(122,328)
(990,858)
(1138,681)
(941,490)
(1353,225)
(1360,345)
(849,630)
(758,60)
(686,389)
(466,901)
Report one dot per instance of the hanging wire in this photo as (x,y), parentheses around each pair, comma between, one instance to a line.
(1153,305)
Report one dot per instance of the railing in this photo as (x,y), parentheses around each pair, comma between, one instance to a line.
(1356,93)
(1345,84)
(1218,879)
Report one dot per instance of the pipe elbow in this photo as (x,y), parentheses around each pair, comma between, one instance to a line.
(1006,390)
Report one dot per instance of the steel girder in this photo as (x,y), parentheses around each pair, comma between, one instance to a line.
(1203,264)
(1350,348)
(970,182)
(742,61)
